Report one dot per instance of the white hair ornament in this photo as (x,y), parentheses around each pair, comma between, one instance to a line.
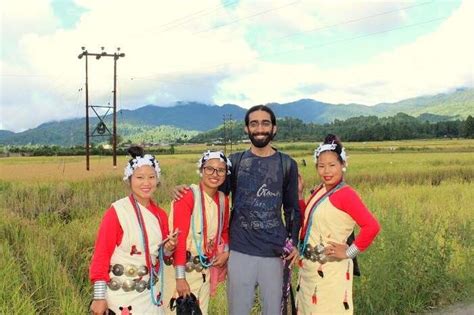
(329,147)
(139,161)
(208,155)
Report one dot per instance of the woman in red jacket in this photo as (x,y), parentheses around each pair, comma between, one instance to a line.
(202,218)
(129,250)
(331,213)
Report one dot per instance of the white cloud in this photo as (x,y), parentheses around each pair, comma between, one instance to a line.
(437,62)
(180,52)
(23,17)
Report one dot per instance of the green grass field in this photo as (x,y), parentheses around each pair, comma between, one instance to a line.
(422,192)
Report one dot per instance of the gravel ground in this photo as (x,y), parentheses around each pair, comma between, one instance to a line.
(456,309)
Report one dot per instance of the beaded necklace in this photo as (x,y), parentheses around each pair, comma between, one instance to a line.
(309,222)
(204,257)
(146,246)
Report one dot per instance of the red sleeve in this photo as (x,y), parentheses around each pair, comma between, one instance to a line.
(225,228)
(108,238)
(182,211)
(349,201)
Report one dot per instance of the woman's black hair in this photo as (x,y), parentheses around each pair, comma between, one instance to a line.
(135,151)
(221,155)
(330,139)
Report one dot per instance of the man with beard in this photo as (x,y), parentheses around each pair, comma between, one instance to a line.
(262,181)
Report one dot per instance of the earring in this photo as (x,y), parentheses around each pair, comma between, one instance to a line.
(344,169)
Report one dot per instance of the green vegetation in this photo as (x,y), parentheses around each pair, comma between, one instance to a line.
(422,192)
(154,134)
(459,104)
(71,133)
(363,128)
(177,124)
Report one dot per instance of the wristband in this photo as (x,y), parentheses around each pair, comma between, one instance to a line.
(100,288)
(352,251)
(180,272)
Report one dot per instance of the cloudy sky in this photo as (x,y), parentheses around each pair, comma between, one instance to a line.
(228,51)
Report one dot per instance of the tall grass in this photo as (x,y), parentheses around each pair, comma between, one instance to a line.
(46,281)
(13,293)
(421,258)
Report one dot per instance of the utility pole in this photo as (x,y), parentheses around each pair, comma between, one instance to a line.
(87,112)
(114,139)
(101,127)
(231,130)
(228,129)
(225,135)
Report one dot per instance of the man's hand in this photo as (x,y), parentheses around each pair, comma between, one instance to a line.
(221,259)
(292,257)
(179,191)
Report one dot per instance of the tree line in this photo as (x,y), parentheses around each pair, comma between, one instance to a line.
(362,128)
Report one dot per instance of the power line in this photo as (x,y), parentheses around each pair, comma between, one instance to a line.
(31,75)
(303,49)
(349,21)
(313,30)
(186,19)
(356,37)
(183,19)
(267,40)
(247,17)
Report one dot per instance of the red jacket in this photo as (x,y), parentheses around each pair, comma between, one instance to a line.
(110,236)
(347,200)
(182,211)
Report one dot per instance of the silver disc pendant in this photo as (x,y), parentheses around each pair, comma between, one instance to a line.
(117,270)
(198,267)
(114,284)
(141,286)
(142,270)
(131,270)
(128,285)
(189,266)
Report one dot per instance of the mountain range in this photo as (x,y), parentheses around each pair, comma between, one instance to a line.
(157,124)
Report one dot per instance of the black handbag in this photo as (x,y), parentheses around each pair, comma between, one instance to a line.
(186,305)
(350,240)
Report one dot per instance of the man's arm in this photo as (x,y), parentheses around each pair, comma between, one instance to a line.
(226,185)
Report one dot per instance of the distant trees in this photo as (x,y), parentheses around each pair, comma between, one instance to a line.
(362,128)
(55,150)
(468,127)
